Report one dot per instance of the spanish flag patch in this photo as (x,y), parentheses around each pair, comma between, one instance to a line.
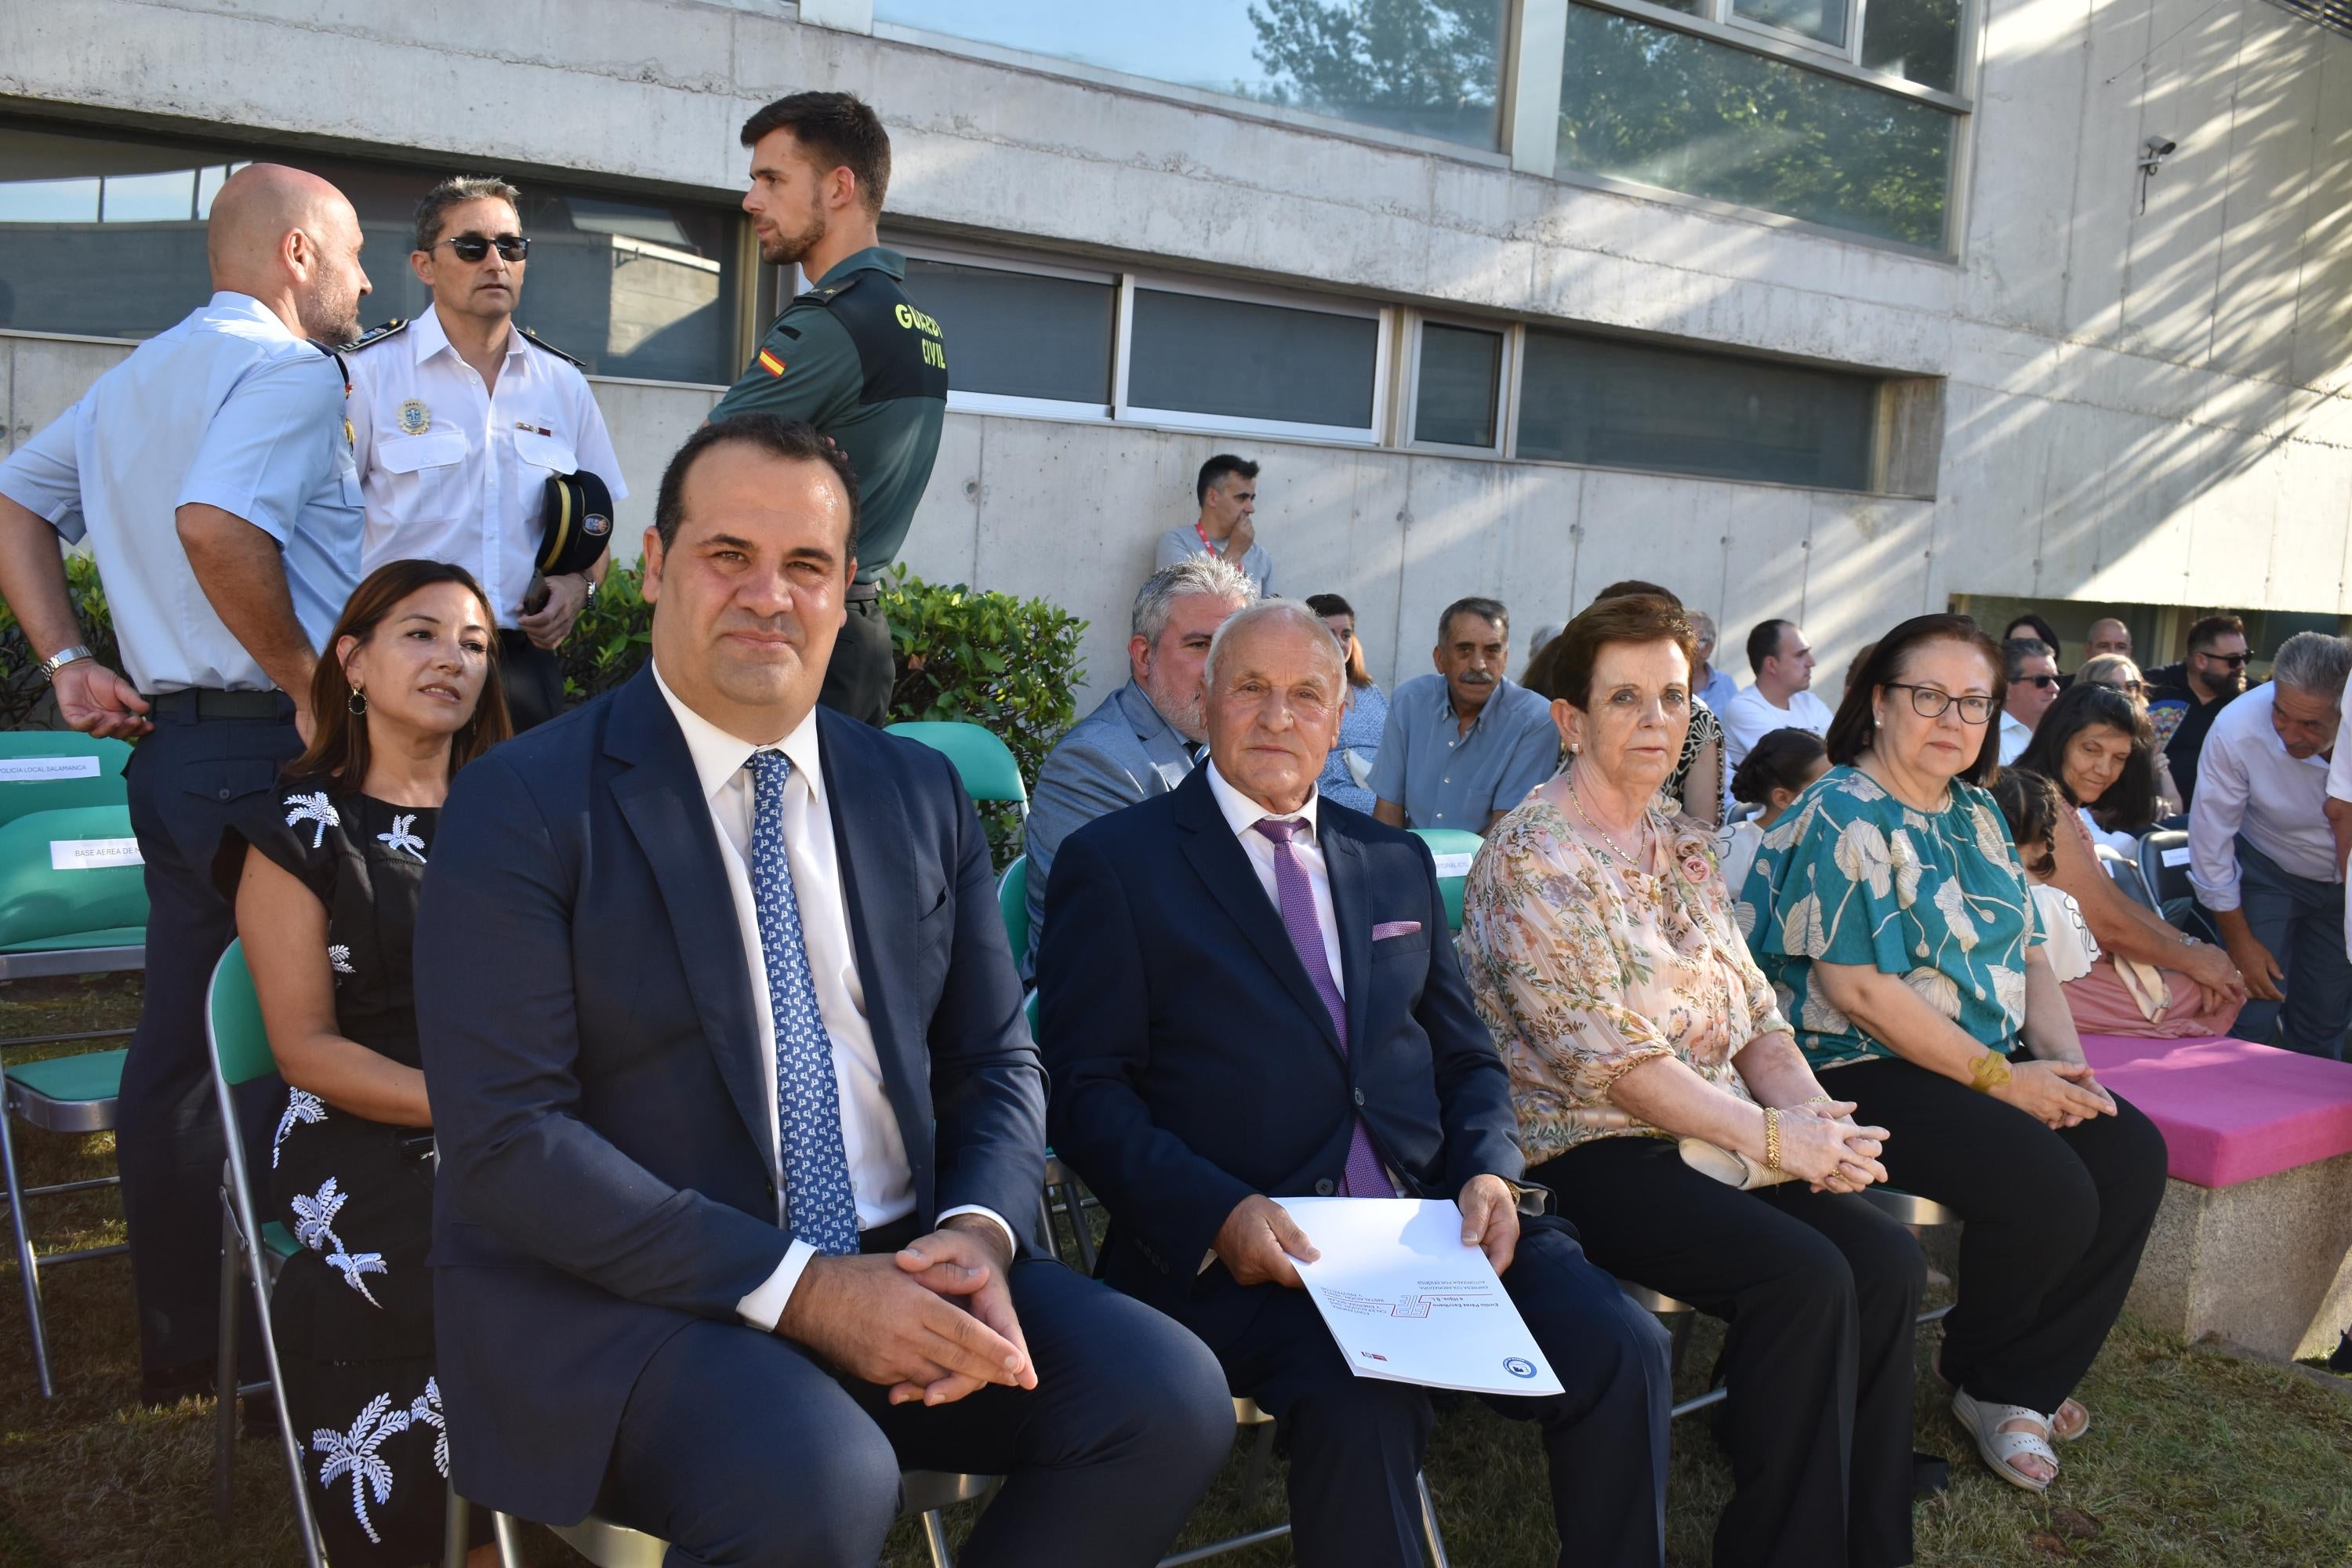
(770,364)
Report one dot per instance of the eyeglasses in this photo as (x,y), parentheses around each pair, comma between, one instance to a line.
(2045,681)
(1929,703)
(2128,688)
(473,246)
(2235,660)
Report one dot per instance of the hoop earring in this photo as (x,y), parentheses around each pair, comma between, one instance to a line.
(356,703)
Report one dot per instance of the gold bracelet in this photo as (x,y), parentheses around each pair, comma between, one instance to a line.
(1771,1138)
(1992,1072)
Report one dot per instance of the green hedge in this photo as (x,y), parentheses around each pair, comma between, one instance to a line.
(25,701)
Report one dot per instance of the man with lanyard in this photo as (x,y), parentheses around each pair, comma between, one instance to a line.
(1227,526)
(211,476)
(852,356)
(469,432)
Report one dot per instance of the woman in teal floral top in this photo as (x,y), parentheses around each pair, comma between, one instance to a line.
(1598,939)
(1891,915)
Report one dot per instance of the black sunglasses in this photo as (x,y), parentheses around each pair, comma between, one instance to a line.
(473,246)
(2043,680)
(2235,660)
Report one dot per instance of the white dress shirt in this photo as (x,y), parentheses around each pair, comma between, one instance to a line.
(2247,784)
(2339,785)
(1750,716)
(1243,814)
(457,472)
(227,408)
(2015,736)
(879,1176)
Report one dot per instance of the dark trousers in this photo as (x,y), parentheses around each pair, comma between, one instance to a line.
(858,678)
(533,678)
(186,782)
(1357,1443)
(2301,921)
(739,1447)
(1819,1291)
(2055,1221)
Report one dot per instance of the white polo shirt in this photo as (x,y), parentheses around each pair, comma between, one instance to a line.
(455,471)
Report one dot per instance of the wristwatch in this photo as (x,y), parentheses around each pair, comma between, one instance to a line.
(591,590)
(62,657)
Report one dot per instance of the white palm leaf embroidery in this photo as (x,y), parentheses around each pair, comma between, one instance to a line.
(353,1453)
(301,1106)
(314,808)
(424,1410)
(400,837)
(314,1217)
(353,1265)
(339,959)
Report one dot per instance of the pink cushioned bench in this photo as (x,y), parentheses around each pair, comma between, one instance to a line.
(2254,1240)
(2230,1111)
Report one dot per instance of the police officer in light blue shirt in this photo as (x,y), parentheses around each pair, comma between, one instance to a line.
(210,474)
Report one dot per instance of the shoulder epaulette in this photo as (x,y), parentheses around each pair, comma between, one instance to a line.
(535,340)
(826,295)
(376,335)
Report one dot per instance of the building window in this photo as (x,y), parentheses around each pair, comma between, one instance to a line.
(1618,405)
(104,236)
(1426,67)
(1458,387)
(1039,335)
(1693,111)
(1238,363)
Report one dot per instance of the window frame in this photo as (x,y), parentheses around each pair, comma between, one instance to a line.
(1506,372)
(916,249)
(1716,20)
(1383,316)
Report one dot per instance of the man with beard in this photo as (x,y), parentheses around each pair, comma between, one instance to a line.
(852,356)
(211,475)
(2184,699)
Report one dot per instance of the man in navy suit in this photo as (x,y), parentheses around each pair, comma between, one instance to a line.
(1249,994)
(737,1113)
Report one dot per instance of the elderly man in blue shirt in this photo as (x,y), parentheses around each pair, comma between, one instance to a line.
(1465,744)
(1142,740)
(211,476)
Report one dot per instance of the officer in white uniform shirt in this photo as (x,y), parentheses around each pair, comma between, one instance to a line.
(461,422)
(211,476)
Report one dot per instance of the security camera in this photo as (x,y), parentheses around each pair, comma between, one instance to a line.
(2161,146)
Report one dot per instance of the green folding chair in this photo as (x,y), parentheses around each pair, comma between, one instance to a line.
(1453,849)
(240,1054)
(56,769)
(983,762)
(1012,903)
(73,900)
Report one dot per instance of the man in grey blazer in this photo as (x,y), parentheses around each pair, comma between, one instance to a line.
(1138,741)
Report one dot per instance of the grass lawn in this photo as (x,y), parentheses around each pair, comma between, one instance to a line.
(2196,1459)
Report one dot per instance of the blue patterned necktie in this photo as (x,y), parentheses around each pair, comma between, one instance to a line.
(820,1209)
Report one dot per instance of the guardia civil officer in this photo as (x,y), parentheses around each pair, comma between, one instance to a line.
(211,475)
(481,445)
(852,356)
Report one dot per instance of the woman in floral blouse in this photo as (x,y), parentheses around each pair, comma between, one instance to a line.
(1599,941)
(1891,914)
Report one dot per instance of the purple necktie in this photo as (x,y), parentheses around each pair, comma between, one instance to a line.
(1363,1178)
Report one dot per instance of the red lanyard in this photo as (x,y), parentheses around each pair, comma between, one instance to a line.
(1206,547)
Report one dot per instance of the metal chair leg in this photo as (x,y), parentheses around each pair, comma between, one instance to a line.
(456,1529)
(28,1265)
(224,1374)
(509,1539)
(935,1536)
(1429,1533)
(1261,1460)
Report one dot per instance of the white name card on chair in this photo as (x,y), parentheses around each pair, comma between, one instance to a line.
(91,854)
(2177,856)
(33,769)
(1454,865)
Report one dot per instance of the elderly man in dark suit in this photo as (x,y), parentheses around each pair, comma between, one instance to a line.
(1248,993)
(738,1113)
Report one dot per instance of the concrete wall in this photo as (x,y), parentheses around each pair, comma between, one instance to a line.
(2138,407)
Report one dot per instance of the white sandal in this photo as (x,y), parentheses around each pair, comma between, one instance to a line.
(1998,1447)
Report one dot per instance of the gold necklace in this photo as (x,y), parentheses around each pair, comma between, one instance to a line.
(1600,833)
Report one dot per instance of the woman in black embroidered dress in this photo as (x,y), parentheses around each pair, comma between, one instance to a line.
(407,694)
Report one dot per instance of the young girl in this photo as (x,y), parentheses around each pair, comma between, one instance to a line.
(1770,777)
